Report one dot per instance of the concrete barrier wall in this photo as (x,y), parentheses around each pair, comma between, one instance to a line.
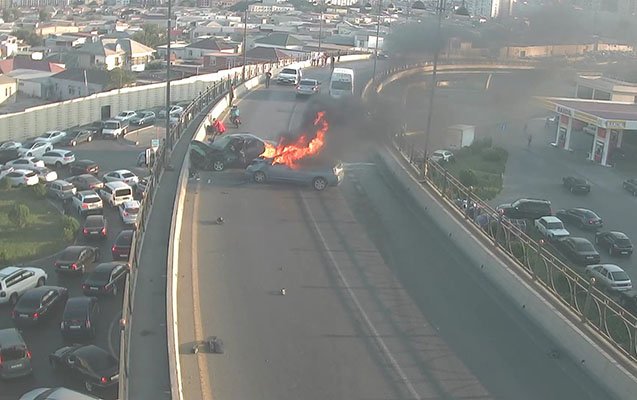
(571,337)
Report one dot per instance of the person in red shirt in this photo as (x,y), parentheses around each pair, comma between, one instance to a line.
(218,126)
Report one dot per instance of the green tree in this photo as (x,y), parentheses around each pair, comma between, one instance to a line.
(70,226)
(20,216)
(150,35)
(10,14)
(44,15)
(120,78)
(28,36)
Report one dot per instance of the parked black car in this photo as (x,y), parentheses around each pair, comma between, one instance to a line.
(38,303)
(631,186)
(95,227)
(617,243)
(121,247)
(576,185)
(628,300)
(106,278)
(81,167)
(526,209)
(77,259)
(578,250)
(78,136)
(580,217)
(85,182)
(93,365)
(79,318)
(228,151)
(7,155)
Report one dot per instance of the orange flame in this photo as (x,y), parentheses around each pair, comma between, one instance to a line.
(289,154)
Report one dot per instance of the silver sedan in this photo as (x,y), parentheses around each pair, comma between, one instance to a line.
(262,171)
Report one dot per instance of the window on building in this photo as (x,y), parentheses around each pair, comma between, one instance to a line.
(71,91)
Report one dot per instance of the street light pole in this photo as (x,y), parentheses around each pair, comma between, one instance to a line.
(434,79)
(320,25)
(245,41)
(169,37)
(380,3)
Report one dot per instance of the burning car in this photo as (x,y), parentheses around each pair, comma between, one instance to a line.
(265,170)
(228,151)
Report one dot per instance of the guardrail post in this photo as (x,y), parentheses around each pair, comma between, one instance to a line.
(444,183)
(587,302)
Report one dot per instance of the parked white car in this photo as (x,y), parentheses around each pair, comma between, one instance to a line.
(58,158)
(609,276)
(45,174)
(10,145)
(22,177)
(442,156)
(175,111)
(34,149)
(125,115)
(14,281)
(129,211)
(122,175)
(551,228)
(26,162)
(52,137)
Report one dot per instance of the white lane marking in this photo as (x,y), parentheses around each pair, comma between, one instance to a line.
(202,363)
(377,337)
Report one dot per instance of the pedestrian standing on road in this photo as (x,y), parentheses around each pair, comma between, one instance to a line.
(332,62)
(231,94)
(66,207)
(268,76)
(530,140)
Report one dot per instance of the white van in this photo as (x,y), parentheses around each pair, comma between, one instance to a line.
(116,193)
(342,83)
(290,76)
(114,128)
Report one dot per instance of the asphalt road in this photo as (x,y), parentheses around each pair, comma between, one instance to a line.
(46,338)
(345,329)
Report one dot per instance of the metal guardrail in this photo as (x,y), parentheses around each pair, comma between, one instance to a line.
(594,307)
(162,161)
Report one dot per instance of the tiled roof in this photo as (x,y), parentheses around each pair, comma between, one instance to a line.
(20,62)
(94,76)
(211,44)
(280,39)
(267,54)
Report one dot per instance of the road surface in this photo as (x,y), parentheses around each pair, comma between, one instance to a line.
(413,321)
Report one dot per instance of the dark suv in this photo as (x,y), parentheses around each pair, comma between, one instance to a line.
(526,209)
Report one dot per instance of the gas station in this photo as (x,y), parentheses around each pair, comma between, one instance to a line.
(606,121)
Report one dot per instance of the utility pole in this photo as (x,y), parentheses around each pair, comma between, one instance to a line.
(440,8)
(169,138)
(321,5)
(380,4)
(245,41)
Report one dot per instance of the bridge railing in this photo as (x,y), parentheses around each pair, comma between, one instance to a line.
(161,162)
(596,308)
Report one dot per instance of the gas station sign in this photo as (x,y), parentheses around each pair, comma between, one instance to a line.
(564,110)
(617,124)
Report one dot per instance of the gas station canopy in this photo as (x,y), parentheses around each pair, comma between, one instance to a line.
(605,120)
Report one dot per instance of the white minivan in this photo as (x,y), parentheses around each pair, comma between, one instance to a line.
(116,193)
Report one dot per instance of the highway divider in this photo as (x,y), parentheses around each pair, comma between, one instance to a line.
(590,325)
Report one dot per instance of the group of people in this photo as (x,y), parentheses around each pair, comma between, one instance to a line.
(322,59)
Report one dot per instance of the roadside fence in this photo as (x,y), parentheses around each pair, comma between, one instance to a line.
(595,307)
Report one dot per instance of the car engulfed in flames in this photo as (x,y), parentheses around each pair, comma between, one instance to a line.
(289,153)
